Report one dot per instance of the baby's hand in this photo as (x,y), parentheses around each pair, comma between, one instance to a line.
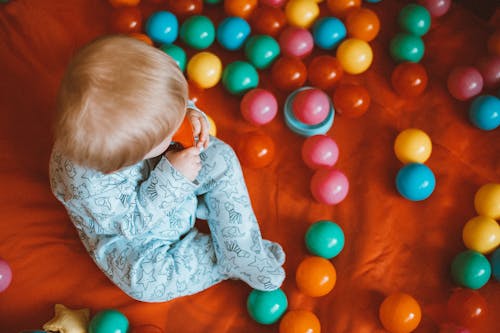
(186,161)
(200,127)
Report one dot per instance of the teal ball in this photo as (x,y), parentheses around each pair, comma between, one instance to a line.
(325,239)
(407,47)
(239,77)
(267,307)
(198,31)
(262,50)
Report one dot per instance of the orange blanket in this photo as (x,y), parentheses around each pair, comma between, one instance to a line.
(392,244)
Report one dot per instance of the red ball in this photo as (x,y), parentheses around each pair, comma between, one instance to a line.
(255,150)
(489,67)
(267,20)
(329,186)
(184,8)
(465,82)
(351,100)
(466,308)
(126,20)
(320,151)
(324,72)
(409,79)
(288,73)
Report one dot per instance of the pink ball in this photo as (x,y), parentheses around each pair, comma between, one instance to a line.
(273,3)
(320,151)
(465,82)
(311,106)
(436,7)
(5,275)
(489,67)
(296,42)
(329,186)
(259,106)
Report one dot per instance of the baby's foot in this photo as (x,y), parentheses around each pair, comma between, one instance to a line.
(275,250)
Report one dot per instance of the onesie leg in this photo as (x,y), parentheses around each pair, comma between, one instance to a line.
(241,252)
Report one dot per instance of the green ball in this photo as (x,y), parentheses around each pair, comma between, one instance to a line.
(267,307)
(109,321)
(471,269)
(325,239)
(177,53)
(262,50)
(198,31)
(415,19)
(407,47)
(239,77)
(213,2)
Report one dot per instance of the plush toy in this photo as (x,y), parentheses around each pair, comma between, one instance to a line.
(68,321)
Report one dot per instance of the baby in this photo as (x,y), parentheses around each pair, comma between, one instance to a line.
(133,201)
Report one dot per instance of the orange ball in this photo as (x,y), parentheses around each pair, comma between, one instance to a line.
(255,150)
(315,276)
(339,8)
(300,321)
(362,23)
(241,8)
(124,3)
(400,313)
(142,37)
(494,43)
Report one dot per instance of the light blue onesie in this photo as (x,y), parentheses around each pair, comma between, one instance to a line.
(138,225)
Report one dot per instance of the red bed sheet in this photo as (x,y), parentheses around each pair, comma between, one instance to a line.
(392,244)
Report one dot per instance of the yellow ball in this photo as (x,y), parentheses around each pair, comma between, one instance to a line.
(355,55)
(301,13)
(204,69)
(213,128)
(481,234)
(487,201)
(413,146)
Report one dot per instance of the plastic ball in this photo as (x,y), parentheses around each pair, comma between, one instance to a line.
(184,8)
(315,276)
(259,106)
(495,264)
(489,67)
(325,239)
(451,328)
(355,55)
(204,69)
(162,27)
(328,32)
(413,146)
(124,3)
(142,37)
(239,77)
(198,32)
(436,8)
(487,201)
(400,313)
(407,47)
(5,275)
(464,82)
(320,151)
(470,269)
(296,42)
(262,50)
(213,128)
(311,106)
(268,20)
(256,150)
(484,112)
(267,307)
(329,186)
(415,19)
(299,321)
(177,53)
(273,3)
(466,307)
(126,20)
(324,72)
(288,73)
(493,43)
(362,23)
(108,321)
(212,2)
(409,79)
(241,8)
(340,8)
(232,33)
(481,234)
(301,13)
(415,182)
(351,100)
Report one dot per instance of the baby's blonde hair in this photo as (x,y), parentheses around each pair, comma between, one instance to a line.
(118,100)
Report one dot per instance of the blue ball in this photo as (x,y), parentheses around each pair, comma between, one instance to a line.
(328,32)
(495,264)
(162,27)
(484,112)
(415,181)
(232,33)
(470,269)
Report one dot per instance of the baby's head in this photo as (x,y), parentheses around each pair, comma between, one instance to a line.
(119,100)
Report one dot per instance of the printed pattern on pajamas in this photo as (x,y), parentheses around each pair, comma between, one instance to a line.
(138,225)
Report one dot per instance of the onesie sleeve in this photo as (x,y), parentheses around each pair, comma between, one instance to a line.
(128,202)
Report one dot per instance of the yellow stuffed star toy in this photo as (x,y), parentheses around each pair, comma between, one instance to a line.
(68,321)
